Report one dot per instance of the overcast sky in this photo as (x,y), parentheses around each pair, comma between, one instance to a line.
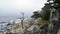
(15,7)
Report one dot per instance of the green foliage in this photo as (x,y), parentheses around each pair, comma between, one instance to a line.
(46,12)
(36,14)
(46,22)
(43,22)
(10,33)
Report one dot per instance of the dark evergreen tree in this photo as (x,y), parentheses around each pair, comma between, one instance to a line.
(36,14)
(46,12)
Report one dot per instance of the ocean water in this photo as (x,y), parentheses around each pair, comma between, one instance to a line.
(6,19)
(9,18)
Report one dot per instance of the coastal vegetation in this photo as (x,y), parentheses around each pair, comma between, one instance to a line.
(44,14)
(40,18)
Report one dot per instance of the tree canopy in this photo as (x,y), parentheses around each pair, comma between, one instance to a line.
(45,12)
(36,14)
